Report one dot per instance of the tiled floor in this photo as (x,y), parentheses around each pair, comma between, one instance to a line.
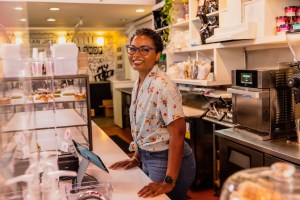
(107,125)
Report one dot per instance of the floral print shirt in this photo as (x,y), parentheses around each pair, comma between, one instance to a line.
(157,104)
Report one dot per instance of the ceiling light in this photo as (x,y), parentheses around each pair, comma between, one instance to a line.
(54,9)
(140,10)
(18,8)
(51,20)
(23,20)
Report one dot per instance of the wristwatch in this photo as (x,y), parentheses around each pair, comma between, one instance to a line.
(170,180)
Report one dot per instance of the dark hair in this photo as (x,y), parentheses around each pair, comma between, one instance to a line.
(156,38)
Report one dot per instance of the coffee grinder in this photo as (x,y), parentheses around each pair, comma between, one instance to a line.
(293,40)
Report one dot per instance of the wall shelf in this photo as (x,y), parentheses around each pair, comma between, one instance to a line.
(200,82)
(184,24)
(234,54)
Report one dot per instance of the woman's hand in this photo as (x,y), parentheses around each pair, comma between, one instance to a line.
(155,189)
(125,164)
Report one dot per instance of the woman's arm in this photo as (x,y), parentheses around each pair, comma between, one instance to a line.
(128,163)
(177,133)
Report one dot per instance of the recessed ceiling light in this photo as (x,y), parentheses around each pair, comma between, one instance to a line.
(54,9)
(18,8)
(140,10)
(23,20)
(51,20)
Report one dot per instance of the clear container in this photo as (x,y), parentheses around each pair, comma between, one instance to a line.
(102,190)
(65,58)
(281,181)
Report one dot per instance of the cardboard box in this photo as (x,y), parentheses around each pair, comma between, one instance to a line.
(109,111)
(108,107)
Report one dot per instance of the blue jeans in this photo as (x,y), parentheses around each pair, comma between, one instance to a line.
(155,166)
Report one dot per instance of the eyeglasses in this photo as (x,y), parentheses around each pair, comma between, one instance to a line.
(143,50)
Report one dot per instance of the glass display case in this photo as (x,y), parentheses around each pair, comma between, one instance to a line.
(39,117)
(278,182)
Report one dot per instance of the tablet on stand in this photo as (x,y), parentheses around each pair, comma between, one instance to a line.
(87,157)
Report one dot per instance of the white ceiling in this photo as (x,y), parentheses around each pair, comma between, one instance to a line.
(107,14)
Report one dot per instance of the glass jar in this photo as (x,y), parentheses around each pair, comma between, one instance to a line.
(290,10)
(281,181)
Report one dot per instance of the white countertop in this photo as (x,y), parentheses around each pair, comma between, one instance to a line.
(125,183)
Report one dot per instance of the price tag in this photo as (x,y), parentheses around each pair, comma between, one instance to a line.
(64,147)
(25,151)
(68,134)
(20,138)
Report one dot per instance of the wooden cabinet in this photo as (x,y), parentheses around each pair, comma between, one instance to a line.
(200,140)
(235,157)
(117,101)
(236,151)
(117,87)
(126,101)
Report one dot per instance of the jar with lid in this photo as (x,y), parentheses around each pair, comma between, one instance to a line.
(281,181)
(281,20)
(283,28)
(290,10)
(296,26)
(298,11)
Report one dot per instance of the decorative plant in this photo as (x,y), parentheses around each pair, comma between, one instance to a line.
(165,35)
(167,18)
(167,12)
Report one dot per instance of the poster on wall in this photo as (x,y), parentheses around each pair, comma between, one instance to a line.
(100,57)
(101,66)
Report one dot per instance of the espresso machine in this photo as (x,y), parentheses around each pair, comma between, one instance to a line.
(262,102)
(293,40)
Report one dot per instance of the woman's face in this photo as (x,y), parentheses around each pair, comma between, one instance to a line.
(143,63)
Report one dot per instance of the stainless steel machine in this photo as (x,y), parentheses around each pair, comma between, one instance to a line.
(293,39)
(263,102)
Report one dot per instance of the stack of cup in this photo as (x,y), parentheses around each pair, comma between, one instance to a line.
(83,64)
(37,65)
(49,65)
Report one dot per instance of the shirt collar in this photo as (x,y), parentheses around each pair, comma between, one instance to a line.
(147,82)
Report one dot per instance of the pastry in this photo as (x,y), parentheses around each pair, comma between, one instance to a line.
(16,97)
(79,96)
(4,101)
(253,191)
(57,92)
(68,94)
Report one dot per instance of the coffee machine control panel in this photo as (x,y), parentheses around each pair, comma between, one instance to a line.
(252,78)
(246,78)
